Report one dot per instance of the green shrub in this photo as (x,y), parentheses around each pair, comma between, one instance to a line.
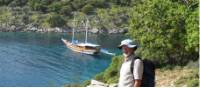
(99,77)
(87,9)
(85,83)
(111,74)
(55,20)
(193,83)
(55,7)
(66,10)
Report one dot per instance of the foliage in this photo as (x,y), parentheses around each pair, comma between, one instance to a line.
(66,10)
(87,9)
(55,20)
(114,18)
(192,31)
(55,7)
(85,83)
(162,30)
(39,5)
(5,16)
(111,74)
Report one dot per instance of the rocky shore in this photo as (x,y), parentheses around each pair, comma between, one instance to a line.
(31,28)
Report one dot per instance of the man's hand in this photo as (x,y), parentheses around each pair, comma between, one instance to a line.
(137,83)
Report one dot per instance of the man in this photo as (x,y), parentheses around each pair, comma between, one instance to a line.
(128,78)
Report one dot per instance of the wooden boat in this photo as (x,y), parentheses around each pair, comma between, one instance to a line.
(86,48)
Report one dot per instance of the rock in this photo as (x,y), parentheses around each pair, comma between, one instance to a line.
(95,83)
(13,27)
(94,30)
(19,28)
(33,29)
(113,31)
(123,31)
(103,30)
(113,85)
(56,29)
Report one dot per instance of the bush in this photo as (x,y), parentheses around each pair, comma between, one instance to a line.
(55,7)
(111,74)
(87,9)
(66,10)
(99,77)
(97,3)
(6,16)
(113,18)
(85,83)
(55,20)
(39,5)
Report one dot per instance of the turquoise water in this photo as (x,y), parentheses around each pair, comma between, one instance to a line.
(41,59)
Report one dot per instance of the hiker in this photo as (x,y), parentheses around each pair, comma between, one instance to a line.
(128,78)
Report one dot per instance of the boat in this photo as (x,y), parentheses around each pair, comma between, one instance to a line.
(82,47)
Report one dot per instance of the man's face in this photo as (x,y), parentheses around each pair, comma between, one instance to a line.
(126,49)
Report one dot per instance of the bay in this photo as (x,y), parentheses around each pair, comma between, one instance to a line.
(29,59)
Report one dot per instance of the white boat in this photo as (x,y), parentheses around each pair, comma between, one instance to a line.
(86,48)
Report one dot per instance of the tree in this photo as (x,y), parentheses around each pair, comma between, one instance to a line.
(5,2)
(160,27)
(66,10)
(55,20)
(55,7)
(78,4)
(192,28)
(87,9)
(97,3)
(121,2)
(16,3)
(39,5)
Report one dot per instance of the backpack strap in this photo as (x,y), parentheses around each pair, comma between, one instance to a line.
(132,63)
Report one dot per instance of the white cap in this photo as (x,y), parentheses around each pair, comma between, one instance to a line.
(127,42)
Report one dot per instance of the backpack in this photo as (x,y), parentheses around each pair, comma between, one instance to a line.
(148,78)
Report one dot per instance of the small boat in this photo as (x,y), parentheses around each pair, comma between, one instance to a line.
(86,48)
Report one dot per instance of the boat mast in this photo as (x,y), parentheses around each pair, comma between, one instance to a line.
(73,31)
(86,32)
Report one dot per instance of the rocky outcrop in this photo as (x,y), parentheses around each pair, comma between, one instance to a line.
(95,83)
(108,31)
(94,30)
(34,28)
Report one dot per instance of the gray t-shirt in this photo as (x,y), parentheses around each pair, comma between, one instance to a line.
(126,77)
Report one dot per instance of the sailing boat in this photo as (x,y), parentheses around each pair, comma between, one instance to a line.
(86,48)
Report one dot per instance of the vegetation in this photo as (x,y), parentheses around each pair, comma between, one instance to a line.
(110,75)
(167,31)
(51,13)
(166,76)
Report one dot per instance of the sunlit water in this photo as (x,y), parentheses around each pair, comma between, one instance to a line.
(36,59)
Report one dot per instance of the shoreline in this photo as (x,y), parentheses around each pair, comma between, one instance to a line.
(28,28)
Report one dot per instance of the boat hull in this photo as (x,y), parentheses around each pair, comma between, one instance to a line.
(81,49)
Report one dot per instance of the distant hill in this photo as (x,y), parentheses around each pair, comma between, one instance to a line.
(106,16)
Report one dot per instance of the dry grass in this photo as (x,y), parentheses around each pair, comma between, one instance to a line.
(166,78)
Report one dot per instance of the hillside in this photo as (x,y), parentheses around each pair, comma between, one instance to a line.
(106,16)
(169,76)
